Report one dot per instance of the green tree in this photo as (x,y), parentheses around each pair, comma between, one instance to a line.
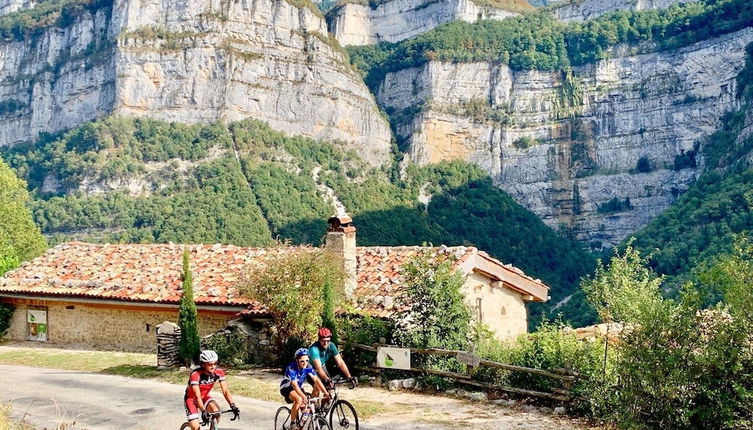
(435,314)
(291,286)
(189,344)
(677,364)
(328,311)
(20,238)
(625,291)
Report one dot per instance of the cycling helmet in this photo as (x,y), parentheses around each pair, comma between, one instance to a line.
(208,356)
(324,332)
(300,352)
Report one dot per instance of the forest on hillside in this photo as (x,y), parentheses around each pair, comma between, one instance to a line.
(538,41)
(246,184)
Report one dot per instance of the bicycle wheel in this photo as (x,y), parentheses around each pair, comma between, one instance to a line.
(282,418)
(317,423)
(185,426)
(343,416)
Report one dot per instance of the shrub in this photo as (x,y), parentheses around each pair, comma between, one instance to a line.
(6,313)
(643,165)
(364,330)
(524,142)
(553,345)
(230,346)
(677,365)
(614,205)
(291,285)
(436,315)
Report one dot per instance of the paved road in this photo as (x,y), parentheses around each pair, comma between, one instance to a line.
(103,402)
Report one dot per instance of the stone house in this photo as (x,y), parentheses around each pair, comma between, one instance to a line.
(114,296)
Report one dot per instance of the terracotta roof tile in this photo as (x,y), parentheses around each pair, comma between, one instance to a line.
(138,273)
(152,273)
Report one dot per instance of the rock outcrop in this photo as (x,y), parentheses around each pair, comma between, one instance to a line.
(396,20)
(582,10)
(198,61)
(10,6)
(601,151)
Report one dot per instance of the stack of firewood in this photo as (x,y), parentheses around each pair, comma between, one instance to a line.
(168,335)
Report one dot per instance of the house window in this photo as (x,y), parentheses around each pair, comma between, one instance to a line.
(503,311)
(480,312)
(36,321)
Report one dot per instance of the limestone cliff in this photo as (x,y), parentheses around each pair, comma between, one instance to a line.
(601,151)
(395,20)
(197,61)
(582,10)
(10,6)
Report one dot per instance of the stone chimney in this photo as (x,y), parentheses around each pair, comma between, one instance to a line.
(341,239)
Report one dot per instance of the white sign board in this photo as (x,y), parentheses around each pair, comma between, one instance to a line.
(468,359)
(37,321)
(393,358)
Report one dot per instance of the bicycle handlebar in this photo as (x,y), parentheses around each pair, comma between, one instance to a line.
(341,381)
(218,413)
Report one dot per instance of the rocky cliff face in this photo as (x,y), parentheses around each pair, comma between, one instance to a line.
(582,10)
(601,151)
(196,61)
(395,20)
(10,6)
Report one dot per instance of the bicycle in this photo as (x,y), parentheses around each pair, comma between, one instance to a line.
(342,414)
(314,421)
(213,417)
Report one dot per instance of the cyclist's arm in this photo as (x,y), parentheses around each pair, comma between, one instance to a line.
(319,385)
(343,367)
(297,389)
(197,395)
(226,392)
(319,368)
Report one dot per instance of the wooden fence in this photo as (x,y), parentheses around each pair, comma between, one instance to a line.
(567,377)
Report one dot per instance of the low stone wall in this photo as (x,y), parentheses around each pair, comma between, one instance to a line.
(128,328)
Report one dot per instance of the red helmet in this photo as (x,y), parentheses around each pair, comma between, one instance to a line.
(324,332)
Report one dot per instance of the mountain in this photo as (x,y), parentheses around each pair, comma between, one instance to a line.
(594,127)
(361,23)
(705,221)
(70,61)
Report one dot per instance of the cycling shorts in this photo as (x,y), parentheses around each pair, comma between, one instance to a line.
(192,408)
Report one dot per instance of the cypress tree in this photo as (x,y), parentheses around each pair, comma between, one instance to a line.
(189,346)
(328,313)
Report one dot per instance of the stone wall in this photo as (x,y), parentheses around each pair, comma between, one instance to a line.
(100,327)
(502,309)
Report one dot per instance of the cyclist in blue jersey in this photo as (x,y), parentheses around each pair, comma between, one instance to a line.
(291,387)
(324,349)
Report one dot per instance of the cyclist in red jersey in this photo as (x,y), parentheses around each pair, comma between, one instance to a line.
(197,400)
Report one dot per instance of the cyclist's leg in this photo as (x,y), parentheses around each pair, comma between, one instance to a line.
(298,403)
(212,406)
(192,413)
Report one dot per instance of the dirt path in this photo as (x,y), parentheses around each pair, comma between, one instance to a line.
(45,397)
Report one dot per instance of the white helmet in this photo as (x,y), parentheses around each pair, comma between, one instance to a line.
(208,356)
